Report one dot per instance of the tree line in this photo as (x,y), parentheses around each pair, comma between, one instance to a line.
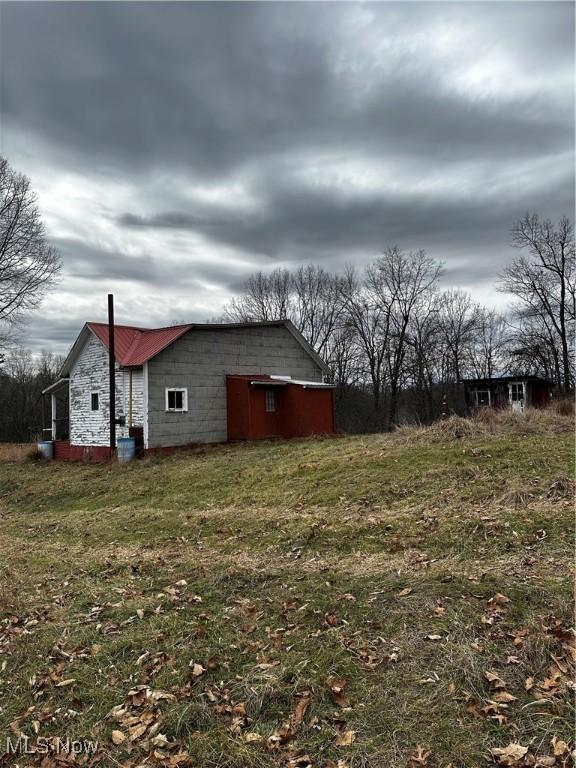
(22,379)
(397,345)
(389,333)
(29,266)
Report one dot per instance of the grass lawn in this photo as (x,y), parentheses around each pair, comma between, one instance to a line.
(378,601)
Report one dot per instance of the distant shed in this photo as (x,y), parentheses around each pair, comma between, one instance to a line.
(515,392)
(261,406)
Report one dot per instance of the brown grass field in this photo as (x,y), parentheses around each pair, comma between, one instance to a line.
(372,601)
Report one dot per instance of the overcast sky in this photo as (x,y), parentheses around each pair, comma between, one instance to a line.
(176,148)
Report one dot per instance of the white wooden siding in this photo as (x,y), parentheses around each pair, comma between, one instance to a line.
(90,374)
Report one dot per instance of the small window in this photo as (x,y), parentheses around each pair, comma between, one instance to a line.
(516,392)
(270,401)
(95,401)
(176,399)
(482,398)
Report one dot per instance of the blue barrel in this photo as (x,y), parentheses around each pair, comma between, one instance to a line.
(125,449)
(46,448)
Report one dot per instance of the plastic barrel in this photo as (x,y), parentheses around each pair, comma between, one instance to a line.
(125,449)
(46,448)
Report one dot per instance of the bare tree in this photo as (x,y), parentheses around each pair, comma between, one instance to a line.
(488,343)
(316,305)
(457,319)
(533,345)
(28,265)
(344,356)
(22,379)
(310,297)
(401,282)
(544,280)
(425,354)
(265,297)
(369,321)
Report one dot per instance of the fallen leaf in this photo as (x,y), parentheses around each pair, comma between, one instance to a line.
(509,755)
(345,739)
(253,737)
(500,599)
(197,669)
(558,747)
(300,709)
(336,687)
(281,736)
(420,756)
(495,680)
(503,697)
(137,731)
(405,592)
(118,737)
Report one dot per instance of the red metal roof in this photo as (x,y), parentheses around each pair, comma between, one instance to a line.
(135,346)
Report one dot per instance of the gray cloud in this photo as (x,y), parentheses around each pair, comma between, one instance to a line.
(85,262)
(210,87)
(181,145)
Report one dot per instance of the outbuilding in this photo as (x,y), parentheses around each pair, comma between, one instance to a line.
(278,406)
(514,392)
(186,384)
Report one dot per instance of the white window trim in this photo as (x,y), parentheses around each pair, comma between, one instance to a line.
(184,408)
(145,386)
(511,385)
(94,392)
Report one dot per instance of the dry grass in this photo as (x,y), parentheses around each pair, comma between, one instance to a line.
(556,419)
(405,565)
(10,452)
(564,406)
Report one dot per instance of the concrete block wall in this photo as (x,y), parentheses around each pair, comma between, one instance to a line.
(200,361)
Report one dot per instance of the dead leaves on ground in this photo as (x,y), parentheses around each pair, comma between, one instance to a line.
(139,722)
(516,755)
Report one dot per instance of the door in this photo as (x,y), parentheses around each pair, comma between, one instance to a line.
(517,396)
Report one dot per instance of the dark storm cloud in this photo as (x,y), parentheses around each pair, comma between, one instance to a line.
(209,87)
(283,133)
(89,263)
(300,223)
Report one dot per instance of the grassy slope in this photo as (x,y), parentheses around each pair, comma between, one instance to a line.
(312,559)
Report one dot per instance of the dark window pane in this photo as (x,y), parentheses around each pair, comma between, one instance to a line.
(179,398)
(171,399)
(95,404)
(270,401)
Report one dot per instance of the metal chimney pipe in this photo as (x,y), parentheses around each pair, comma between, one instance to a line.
(112,373)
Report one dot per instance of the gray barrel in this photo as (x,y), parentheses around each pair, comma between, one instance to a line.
(125,449)
(46,448)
